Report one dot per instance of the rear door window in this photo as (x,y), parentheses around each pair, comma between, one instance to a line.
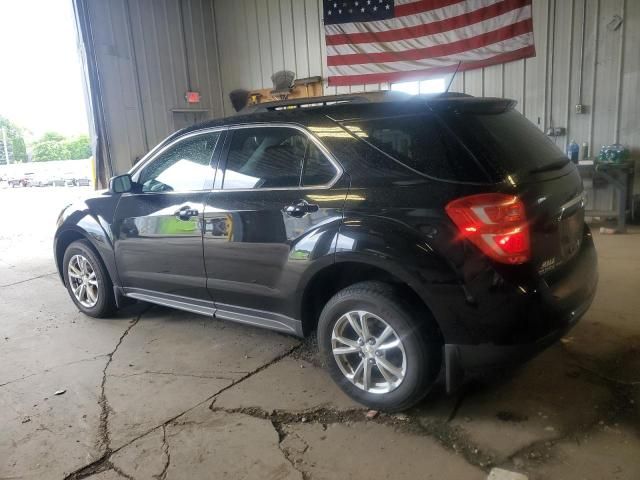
(318,170)
(265,157)
(275,157)
(422,143)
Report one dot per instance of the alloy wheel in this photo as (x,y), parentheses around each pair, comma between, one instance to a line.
(369,352)
(83,281)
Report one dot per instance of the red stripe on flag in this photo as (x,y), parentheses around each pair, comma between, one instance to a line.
(425,6)
(445,25)
(528,51)
(504,33)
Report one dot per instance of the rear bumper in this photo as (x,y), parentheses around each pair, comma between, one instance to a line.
(555,309)
(462,359)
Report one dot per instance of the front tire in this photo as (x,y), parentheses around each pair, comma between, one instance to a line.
(375,348)
(87,280)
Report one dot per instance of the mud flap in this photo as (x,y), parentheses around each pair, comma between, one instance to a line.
(454,373)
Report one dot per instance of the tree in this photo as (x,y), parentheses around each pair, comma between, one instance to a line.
(54,146)
(15,140)
(19,150)
(79,147)
(52,137)
(47,150)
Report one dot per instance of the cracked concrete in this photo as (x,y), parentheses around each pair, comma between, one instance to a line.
(530,407)
(51,327)
(104,440)
(616,458)
(198,358)
(219,443)
(146,458)
(155,393)
(45,435)
(407,456)
(307,387)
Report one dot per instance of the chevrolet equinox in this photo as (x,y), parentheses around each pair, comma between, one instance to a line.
(414,234)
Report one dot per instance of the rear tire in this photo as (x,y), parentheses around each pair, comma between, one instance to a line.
(87,280)
(401,353)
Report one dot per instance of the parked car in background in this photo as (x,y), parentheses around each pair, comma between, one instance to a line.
(69,179)
(78,182)
(21,181)
(414,234)
(39,181)
(83,182)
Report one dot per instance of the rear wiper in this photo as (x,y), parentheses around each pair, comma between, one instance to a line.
(557,165)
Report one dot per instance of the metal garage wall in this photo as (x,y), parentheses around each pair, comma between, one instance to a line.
(259,37)
(146,54)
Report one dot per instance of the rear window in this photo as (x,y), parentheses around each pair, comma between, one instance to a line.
(506,141)
(422,143)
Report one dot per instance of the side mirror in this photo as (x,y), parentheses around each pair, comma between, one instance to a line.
(121,183)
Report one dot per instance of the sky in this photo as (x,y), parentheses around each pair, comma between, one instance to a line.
(40,69)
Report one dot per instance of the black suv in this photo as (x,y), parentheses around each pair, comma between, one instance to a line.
(414,234)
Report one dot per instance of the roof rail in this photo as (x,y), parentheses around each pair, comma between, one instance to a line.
(311,102)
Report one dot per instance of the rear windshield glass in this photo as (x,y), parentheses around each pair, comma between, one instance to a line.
(422,143)
(506,141)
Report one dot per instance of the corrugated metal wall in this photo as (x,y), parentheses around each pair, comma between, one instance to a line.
(148,53)
(148,57)
(259,37)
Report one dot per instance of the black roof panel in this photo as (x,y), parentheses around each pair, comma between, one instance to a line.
(343,107)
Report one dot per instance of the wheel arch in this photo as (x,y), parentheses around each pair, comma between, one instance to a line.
(331,279)
(63,240)
(95,236)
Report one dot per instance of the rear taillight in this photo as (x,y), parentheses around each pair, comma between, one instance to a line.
(496,223)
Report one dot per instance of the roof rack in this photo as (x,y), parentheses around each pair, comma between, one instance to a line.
(363,97)
(312,102)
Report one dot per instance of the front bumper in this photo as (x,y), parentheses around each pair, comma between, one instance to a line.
(555,311)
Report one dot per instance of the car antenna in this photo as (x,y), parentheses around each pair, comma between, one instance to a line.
(453,76)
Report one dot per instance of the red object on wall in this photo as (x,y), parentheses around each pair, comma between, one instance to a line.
(192,97)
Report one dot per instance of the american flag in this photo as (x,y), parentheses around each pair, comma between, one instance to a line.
(374,41)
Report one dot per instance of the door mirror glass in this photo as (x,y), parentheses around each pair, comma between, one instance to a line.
(120,184)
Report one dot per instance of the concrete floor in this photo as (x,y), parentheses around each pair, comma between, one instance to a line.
(158,393)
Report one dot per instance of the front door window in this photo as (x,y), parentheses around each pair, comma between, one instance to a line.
(183,167)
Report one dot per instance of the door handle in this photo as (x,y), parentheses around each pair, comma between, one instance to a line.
(300,208)
(185,213)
